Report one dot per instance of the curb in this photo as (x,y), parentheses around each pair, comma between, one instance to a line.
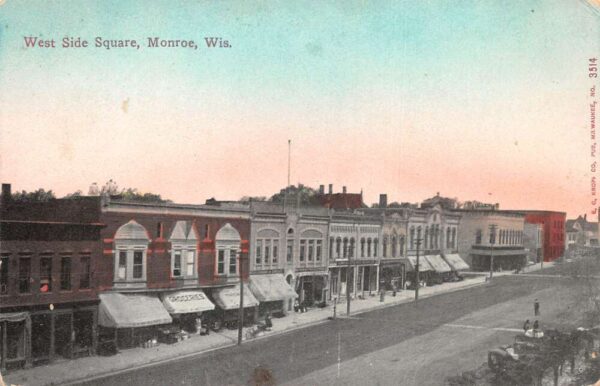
(265,336)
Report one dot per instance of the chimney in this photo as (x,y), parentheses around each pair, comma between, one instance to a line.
(383,200)
(344,189)
(321,189)
(330,188)
(6,193)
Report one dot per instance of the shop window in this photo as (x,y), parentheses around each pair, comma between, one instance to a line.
(85,272)
(3,274)
(24,274)
(46,274)
(65,273)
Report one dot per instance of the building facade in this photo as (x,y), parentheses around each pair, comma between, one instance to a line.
(486,235)
(49,279)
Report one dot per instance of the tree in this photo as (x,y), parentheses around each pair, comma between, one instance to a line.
(39,195)
(300,194)
(131,194)
(75,194)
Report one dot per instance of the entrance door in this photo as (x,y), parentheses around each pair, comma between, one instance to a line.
(63,327)
(41,332)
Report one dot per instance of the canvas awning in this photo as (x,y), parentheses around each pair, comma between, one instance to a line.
(438,264)
(13,317)
(456,262)
(424,266)
(183,302)
(126,311)
(228,298)
(269,288)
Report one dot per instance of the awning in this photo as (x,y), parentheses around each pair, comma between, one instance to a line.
(456,262)
(125,311)
(183,302)
(228,298)
(423,264)
(13,317)
(269,288)
(438,264)
(312,273)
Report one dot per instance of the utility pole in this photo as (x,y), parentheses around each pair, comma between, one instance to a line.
(492,242)
(241,311)
(417,280)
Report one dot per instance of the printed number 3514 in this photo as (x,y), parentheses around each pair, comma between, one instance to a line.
(593,68)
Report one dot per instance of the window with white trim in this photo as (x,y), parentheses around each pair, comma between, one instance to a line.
(130,257)
(183,250)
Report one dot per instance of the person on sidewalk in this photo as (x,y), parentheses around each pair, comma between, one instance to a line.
(526,326)
(536,326)
(536,308)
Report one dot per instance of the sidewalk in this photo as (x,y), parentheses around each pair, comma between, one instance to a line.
(66,371)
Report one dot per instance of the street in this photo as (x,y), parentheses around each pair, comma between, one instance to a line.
(405,344)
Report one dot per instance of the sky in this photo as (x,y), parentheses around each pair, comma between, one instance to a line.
(479,100)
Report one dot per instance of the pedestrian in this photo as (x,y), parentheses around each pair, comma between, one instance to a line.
(536,325)
(526,326)
(536,308)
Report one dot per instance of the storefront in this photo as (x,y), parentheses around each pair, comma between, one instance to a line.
(311,287)
(441,269)
(456,262)
(186,308)
(227,300)
(131,320)
(425,271)
(273,292)
(15,337)
(360,280)
(392,275)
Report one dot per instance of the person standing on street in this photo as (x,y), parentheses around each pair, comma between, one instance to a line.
(526,326)
(536,307)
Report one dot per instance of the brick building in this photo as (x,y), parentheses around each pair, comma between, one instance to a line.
(49,277)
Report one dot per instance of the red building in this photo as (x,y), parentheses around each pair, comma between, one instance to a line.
(553,231)
(343,200)
(48,279)
(171,253)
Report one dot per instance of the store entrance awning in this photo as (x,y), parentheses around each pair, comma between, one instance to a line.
(456,262)
(270,288)
(438,264)
(228,298)
(424,266)
(126,311)
(183,302)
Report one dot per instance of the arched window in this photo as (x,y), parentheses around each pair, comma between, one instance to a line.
(362,247)
(183,251)
(448,237)
(453,237)
(394,246)
(289,246)
(131,246)
(345,247)
(267,248)
(412,238)
(351,252)
(478,236)
(227,246)
(375,245)
(338,247)
(369,251)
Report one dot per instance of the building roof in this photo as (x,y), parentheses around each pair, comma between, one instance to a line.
(342,200)
(584,225)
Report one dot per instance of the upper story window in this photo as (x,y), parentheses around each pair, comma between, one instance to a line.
(46,273)
(24,274)
(85,271)
(131,246)
(385,244)
(65,273)
(402,242)
(183,250)
(267,248)
(412,238)
(227,245)
(4,274)
(375,247)
(289,250)
(478,236)
(311,245)
(394,246)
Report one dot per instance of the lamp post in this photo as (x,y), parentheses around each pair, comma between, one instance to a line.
(492,242)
